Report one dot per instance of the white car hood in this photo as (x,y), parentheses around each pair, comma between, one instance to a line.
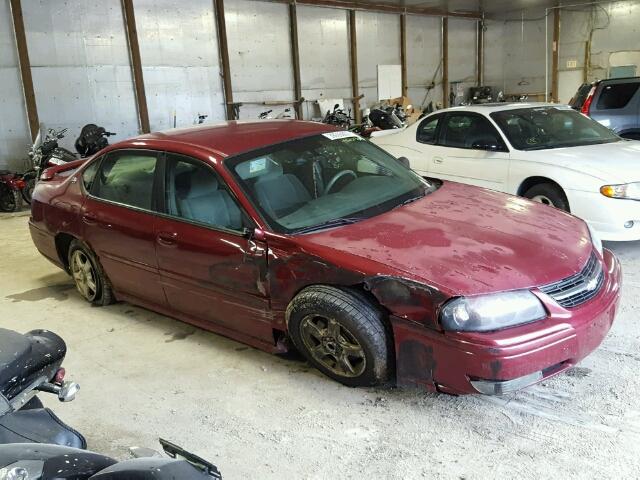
(617,162)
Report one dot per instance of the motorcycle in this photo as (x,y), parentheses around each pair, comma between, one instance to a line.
(45,152)
(387,117)
(11,185)
(338,117)
(53,462)
(29,364)
(266,115)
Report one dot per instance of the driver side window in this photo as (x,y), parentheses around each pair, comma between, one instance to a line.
(193,192)
(470,131)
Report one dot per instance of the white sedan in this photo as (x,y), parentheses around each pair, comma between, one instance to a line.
(546,152)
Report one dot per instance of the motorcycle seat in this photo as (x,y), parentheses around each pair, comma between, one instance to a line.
(24,358)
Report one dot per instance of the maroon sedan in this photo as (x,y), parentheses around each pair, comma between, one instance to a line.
(280,233)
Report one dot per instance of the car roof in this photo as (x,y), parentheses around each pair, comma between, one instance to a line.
(234,137)
(487,108)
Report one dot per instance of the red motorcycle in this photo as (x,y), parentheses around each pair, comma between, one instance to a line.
(11,185)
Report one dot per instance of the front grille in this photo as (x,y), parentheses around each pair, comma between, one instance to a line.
(579,288)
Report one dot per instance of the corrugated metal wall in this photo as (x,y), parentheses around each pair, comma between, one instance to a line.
(80,65)
(14,128)
(424,59)
(179,61)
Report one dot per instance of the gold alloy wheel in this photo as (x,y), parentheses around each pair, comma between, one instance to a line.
(84,275)
(333,346)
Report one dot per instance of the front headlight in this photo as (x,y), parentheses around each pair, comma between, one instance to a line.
(595,239)
(491,312)
(630,191)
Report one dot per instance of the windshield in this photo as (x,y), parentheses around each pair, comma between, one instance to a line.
(551,127)
(323,181)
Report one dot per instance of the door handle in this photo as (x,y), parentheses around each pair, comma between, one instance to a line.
(438,160)
(167,238)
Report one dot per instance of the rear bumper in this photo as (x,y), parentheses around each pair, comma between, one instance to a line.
(45,243)
(510,359)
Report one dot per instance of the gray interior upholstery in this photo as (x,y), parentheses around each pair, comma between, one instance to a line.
(280,193)
(199,198)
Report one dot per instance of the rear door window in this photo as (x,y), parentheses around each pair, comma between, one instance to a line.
(127,178)
(617,95)
(428,130)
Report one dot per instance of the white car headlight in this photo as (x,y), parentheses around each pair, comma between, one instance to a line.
(630,191)
(23,470)
(595,239)
(492,312)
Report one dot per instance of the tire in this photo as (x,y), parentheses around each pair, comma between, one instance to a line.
(33,404)
(10,200)
(342,334)
(27,191)
(549,194)
(88,275)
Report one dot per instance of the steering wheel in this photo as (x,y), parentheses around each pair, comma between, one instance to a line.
(337,177)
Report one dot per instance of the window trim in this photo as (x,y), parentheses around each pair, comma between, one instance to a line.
(437,116)
(162,208)
(91,194)
(441,128)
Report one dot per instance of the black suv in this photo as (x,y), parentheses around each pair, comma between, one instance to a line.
(614,102)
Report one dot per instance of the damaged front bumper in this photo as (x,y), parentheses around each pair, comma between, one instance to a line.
(495,363)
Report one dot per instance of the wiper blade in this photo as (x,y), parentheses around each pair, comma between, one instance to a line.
(411,200)
(336,222)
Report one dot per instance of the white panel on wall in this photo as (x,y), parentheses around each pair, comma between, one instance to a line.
(80,65)
(14,128)
(462,52)
(424,59)
(323,42)
(378,37)
(180,61)
(259,54)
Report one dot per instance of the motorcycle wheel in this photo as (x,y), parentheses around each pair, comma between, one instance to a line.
(27,191)
(9,200)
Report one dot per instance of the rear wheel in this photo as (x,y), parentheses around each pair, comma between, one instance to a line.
(342,334)
(91,281)
(10,199)
(549,194)
(27,191)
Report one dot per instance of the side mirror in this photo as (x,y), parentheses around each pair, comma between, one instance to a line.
(404,161)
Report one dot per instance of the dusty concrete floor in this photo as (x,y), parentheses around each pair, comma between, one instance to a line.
(146,376)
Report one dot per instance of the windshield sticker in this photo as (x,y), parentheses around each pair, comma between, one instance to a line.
(257,165)
(339,135)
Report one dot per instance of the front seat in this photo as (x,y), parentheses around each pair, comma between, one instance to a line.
(199,198)
(280,193)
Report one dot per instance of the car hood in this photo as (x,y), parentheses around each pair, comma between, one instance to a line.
(615,162)
(463,240)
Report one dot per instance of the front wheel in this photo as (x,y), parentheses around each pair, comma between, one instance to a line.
(342,334)
(549,194)
(27,190)
(10,200)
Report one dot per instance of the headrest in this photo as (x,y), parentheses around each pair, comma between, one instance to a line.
(259,168)
(195,183)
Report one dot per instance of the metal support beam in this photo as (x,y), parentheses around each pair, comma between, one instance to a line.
(403,54)
(25,68)
(353,43)
(223,52)
(445,62)
(555,58)
(480,51)
(385,7)
(136,64)
(295,59)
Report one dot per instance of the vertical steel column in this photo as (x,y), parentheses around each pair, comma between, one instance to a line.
(354,66)
(555,58)
(445,62)
(480,50)
(25,68)
(403,53)
(295,59)
(223,52)
(136,64)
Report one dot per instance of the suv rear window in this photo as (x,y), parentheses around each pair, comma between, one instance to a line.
(617,95)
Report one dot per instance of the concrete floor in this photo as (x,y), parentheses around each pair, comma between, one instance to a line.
(146,376)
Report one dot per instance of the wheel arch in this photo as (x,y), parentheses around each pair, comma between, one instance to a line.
(63,242)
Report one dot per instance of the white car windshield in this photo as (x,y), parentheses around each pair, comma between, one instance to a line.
(542,128)
(323,181)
